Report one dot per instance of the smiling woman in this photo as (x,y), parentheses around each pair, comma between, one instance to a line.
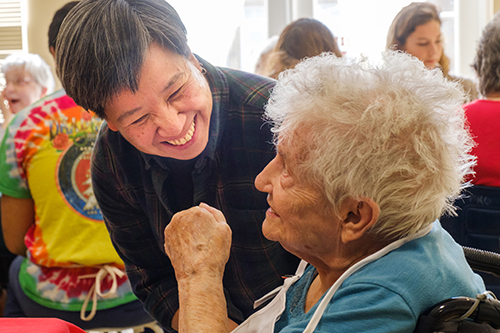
(169,114)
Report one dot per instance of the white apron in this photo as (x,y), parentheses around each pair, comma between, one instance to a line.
(263,320)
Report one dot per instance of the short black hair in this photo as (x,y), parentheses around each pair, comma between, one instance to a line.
(57,20)
(102,45)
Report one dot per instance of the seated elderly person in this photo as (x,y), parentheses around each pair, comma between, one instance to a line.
(27,79)
(368,157)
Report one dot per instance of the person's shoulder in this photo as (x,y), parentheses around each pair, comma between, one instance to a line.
(112,151)
(479,112)
(482,103)
(29,117)
(473,106)
(246,79)
(112,142)
(45,104)
(57,96)
(248,87)
(432,266)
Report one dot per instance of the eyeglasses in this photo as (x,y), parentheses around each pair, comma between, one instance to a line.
(18,81)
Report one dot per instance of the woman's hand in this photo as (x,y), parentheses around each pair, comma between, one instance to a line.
(198,242)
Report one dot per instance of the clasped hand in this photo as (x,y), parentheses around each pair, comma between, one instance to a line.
(198,242)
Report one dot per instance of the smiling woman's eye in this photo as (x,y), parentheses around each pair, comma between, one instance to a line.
(175,94)
(141,119)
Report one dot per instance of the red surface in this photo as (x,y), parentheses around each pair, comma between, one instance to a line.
(37,325)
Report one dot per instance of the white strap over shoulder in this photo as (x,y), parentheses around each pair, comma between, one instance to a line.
(300,270)
(324,303)
(263,320)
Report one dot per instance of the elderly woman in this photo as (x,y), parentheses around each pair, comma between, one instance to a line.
(27,79)
(368,158)
(416,29)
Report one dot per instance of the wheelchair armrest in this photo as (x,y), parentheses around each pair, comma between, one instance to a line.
(481,260)
(488,311)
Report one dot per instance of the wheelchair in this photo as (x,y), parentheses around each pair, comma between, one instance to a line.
(465,314)
(477,224)
(477,229)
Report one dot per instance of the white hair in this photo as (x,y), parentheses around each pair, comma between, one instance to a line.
(33,64)
(393,132)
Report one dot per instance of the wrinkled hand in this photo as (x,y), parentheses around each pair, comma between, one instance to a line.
(198,241)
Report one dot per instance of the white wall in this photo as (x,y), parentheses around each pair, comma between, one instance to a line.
(472,17)
(40,15)
(474,14)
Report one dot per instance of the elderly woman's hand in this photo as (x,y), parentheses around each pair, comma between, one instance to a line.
(198,242)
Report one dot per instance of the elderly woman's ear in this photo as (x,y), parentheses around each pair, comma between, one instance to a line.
(358,216)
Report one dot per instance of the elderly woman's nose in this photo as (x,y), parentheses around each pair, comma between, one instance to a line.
(263,181)
(259,182)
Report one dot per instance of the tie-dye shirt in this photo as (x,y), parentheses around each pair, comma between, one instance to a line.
(45,155)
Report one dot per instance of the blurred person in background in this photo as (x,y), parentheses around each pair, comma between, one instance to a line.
(305,37)
(260,64)
(416,30)
(483,114)
(27,79)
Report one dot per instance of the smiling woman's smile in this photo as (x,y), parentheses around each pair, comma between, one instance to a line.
(186,138)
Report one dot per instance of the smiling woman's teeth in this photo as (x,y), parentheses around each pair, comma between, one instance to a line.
(185,139)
